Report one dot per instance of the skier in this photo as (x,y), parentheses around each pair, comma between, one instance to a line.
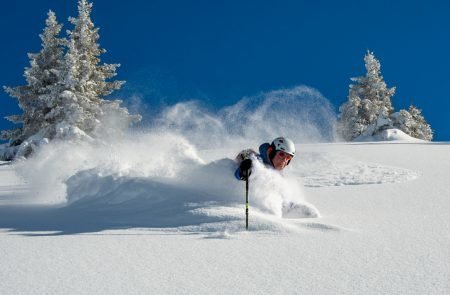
(276,155)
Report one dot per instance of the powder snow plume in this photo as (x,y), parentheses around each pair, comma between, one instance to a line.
(179,171)
(300,113)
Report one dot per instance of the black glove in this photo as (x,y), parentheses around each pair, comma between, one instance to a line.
(245,169)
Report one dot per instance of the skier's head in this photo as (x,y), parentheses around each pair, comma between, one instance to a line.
(281,152)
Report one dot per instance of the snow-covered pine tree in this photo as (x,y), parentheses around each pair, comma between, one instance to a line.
(413,123)
(420,129)
(403,121)
(369,105)
(350,125)
(82,106)
(64,97)
(37,98)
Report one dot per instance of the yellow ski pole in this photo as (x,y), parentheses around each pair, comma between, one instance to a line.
(246,204)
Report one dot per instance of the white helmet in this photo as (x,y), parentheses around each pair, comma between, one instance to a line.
(284,144)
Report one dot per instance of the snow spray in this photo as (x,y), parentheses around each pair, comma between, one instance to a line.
(184,158)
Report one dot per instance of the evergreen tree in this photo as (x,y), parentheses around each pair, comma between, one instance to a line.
(43,77)
(66,88)
(369,105)
(350,125)
(403,121)
(420,128)
(82,104)
(413,123)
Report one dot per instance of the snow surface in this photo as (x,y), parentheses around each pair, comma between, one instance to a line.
(122,220)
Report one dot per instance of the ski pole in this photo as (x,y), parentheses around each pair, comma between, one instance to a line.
(246,204)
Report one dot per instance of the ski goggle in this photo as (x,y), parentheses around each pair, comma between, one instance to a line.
(284,155)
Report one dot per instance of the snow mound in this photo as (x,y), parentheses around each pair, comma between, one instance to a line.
(388,135)
(328,169)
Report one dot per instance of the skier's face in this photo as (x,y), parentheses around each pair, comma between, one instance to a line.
(281,160)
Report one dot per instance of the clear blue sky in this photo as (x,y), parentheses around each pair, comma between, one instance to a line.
(220,51)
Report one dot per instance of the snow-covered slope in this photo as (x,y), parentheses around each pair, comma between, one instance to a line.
(373,219)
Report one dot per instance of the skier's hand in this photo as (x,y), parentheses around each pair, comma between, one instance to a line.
(245,169)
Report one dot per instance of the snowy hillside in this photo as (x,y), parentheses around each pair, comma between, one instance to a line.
(374,219)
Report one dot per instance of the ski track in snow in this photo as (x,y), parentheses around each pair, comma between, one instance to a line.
(328,169)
